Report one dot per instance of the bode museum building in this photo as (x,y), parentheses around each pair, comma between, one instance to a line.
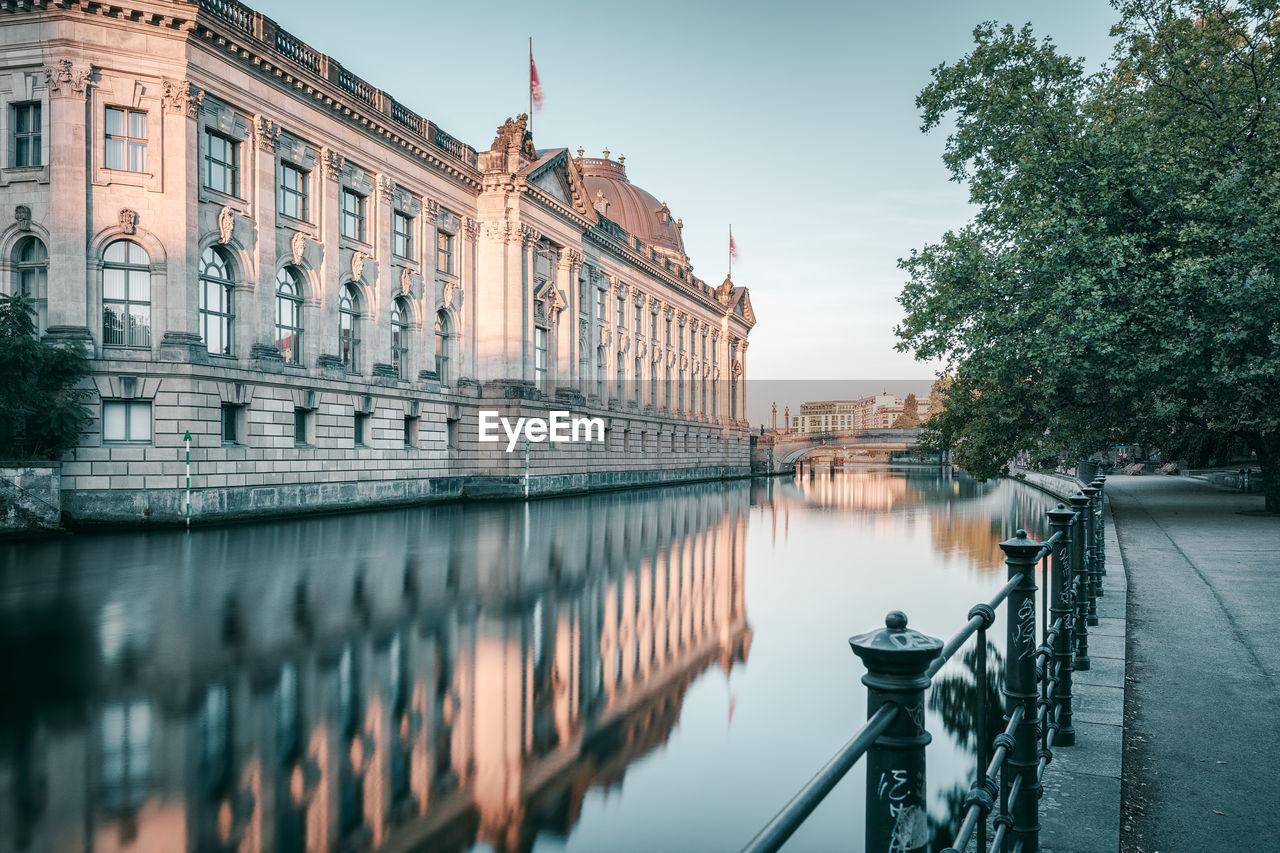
(325,289)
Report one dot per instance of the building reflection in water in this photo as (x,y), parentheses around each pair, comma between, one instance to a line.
(418,679)
(967,519)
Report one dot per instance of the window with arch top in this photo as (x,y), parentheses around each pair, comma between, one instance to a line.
(443,330)
(400,337)
(289,315)
(349,328)
(216,288)
(126,295)
(31,277)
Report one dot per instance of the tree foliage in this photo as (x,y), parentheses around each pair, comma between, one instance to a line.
(1119,280)
(910,417)
(41,413)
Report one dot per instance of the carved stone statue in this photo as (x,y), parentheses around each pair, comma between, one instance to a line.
(297,246)
(226,224)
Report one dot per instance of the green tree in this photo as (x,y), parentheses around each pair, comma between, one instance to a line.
(1119,280)
(41,413)
(910,417)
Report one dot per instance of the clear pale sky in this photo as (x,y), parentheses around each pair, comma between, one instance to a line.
(796,122)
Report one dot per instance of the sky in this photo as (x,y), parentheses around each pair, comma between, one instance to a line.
(793,122)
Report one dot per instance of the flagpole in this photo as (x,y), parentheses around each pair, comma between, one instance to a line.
(531,84)
(731,250)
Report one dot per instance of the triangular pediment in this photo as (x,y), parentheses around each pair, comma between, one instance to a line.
(555,174)
(743,306)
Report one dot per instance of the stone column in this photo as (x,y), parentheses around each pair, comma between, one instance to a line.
(261,170)
(496,255)
(69,288)
(335,270)
(469,321)
(565,321)
(529,237)
(377,331)
(181,147)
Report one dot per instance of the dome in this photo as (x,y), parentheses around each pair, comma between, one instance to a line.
(609,191)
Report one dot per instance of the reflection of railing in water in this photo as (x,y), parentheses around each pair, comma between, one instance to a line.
(901,664)
(419,677)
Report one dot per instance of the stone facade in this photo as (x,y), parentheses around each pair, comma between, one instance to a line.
(325,289)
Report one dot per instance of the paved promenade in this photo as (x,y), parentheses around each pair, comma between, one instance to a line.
(1202,710)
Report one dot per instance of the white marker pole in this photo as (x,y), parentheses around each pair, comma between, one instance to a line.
(187,439)
(526,469)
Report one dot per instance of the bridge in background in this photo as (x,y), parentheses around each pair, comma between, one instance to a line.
(789,447)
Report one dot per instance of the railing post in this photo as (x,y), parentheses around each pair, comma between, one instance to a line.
(1060,607)
(897,809)
(1080,581)
(1020,690)
(1091,553)
(1100,483)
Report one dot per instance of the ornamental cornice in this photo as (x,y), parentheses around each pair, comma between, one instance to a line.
(470,227)
(66,79)
(529,234)
(570,259)
(555,205)
(638,298)
(432,207)
(405,132)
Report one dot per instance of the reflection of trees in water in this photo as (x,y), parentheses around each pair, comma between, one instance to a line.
(954,701)
(975,537)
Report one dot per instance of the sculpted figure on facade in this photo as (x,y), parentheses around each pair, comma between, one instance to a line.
(512,136)
(446,296)
(22,216)
(406,281)
(297,247)
(386,187)
(357,265)
(128,219)
(226,224)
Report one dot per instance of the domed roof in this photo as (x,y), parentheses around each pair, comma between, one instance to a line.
(639,212)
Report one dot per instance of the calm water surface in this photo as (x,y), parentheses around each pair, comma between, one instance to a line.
(653,670)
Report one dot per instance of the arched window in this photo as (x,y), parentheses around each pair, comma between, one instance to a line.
(126,295)
(289,315)
(600,368)
(443,329)
(400,337)
(215,301)
(349,328)
(31,277)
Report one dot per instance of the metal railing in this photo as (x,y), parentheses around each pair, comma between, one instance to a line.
(1037,691)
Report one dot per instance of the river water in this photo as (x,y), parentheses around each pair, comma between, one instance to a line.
(650,670)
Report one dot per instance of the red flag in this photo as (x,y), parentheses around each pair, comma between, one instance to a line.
(733,247)
(535,88)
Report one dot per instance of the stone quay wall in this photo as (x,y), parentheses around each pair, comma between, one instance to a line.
(30,496)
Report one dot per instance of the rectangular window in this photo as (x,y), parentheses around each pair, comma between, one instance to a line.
(410,431)
(653,328)
(293,191)
(126,420)
(126,139)
(26,135)
(635,322)
(360,427)
(540,357)
(600,305)
(352,215)
(222,163)
(402,234)
(299,426)
(230,414)
(444,252)
(622,313)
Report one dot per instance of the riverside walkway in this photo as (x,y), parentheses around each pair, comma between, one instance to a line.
(1202,705)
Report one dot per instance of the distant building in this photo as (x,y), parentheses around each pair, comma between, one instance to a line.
(877,411)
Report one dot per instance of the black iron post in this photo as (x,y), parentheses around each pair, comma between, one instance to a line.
(1060,608)
(1091,553)
(1080,580)
(896,658)
(1100,483)
(1020,692)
